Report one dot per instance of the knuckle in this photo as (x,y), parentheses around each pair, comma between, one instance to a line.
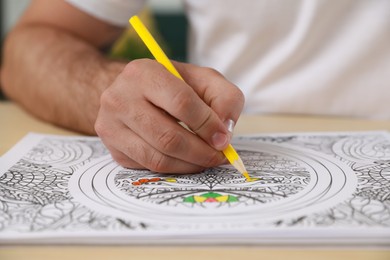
(203,123)
(236,98)
(182,100)
(238,95)
(99,127)
(134,67)
(140,116)
(170,141)
(106,98)
(110,100)
(212,72)
(102,130)
(158,162)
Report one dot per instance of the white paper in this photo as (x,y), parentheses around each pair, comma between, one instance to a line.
(311,188)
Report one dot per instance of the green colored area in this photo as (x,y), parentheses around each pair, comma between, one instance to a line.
(210,197)
(232,199)
(189,199)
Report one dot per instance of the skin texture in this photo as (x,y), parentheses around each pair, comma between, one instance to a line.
(53,67)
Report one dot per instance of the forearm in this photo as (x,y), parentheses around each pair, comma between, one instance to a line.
(56,76)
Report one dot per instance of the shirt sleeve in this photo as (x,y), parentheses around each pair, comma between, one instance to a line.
(116,12)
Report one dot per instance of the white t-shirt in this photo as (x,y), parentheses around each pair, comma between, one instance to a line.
(304,57)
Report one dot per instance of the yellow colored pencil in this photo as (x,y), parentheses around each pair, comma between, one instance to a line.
(160,56)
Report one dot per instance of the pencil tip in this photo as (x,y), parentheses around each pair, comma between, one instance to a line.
(246,175)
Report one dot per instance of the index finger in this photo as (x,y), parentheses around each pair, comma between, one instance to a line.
(181,101)
(224,98)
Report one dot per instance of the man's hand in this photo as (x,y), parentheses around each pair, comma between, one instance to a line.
(139,114)
(61,77)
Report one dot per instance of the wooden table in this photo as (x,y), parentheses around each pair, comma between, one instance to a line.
(15,123)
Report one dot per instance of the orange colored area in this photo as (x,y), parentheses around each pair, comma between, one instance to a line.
(150,180)
(143,180)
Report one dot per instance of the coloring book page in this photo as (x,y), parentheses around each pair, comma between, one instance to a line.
(311,188)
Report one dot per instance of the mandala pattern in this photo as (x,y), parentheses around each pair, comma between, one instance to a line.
(71,184)
(289,181)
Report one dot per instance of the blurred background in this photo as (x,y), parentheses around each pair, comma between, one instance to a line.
(165,18)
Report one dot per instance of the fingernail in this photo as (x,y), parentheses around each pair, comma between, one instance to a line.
(229,123)
(219,140)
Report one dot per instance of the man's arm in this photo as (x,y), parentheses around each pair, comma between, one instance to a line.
(52,65)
